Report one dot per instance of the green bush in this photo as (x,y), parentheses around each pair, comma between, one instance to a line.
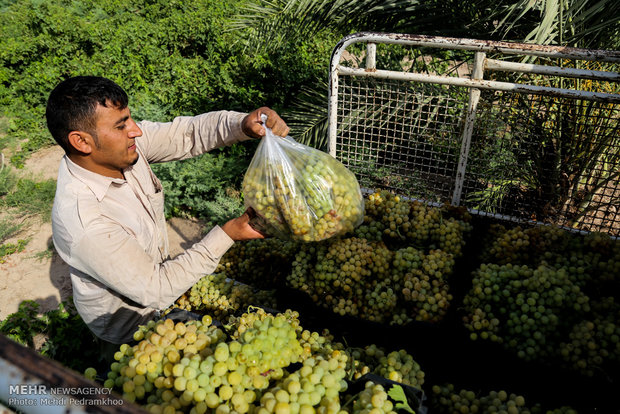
(173,58)
(65,336)
(206,187)
(170,52)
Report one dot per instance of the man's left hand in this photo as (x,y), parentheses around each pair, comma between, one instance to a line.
(252,125)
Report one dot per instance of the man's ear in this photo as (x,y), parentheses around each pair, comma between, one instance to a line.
(81,141)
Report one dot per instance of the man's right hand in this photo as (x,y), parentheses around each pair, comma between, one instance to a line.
(240,229)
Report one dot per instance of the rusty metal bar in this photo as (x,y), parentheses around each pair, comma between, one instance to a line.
(493,64)
(483,84)
(480,45)
(34,384)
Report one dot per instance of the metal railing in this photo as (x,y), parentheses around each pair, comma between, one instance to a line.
(520,132)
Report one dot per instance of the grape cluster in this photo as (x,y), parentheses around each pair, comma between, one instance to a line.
(393,213)
(425,219)
(422,281)
(398,366)
(261,263)
(394,269)
(349,275)
(300,193)
(373,399)
(445,399)
(524,308)
(545,293)
(221,296)
(591,343)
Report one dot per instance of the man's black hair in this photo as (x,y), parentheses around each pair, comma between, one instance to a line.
(72,104)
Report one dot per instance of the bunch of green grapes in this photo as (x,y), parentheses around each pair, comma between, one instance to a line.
(353,276)
(218,295)
(424,219)
(258,362)
(550,285)
(428,298)
(592,260)
(315,387)
(373,399)
(393,214)
(445,399)
(413,223)
(350,264)
(304,195)
(593,255)
(379,301)
(370,229)
(592,345)
(348,276)
(438,263)
(398,366)
(449,236)
(302,268)
(315,343)
(509,246)
(421,280)
(148,372)
(526,309)
(261,263)
(196,366)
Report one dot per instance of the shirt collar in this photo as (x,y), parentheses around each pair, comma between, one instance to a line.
(98,184)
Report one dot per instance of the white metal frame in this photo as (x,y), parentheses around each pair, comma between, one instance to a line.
(475,82)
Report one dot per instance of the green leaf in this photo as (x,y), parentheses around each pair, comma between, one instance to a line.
(397,394)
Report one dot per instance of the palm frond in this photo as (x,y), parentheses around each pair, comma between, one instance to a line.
(270,23)
(576,23)
(308,116)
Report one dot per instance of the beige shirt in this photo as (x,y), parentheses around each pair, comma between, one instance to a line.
(112,232)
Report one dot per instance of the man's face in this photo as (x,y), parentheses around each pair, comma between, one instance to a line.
(116,148)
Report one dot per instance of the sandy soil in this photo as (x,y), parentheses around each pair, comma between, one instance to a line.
(33,275)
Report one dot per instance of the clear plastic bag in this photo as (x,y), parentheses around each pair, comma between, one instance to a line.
(299,192)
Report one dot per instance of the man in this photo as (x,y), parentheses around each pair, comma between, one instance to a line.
(108,216)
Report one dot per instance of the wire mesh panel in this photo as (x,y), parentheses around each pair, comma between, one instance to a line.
(546,159)
(399,138)
(519,132)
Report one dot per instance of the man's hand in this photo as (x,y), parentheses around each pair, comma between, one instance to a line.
(252,125)
(239,228)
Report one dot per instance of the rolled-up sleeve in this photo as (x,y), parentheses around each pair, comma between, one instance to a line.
(130,271)
(187,137)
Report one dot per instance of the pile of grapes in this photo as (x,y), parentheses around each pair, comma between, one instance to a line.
(300,193)
(445,399)
(549,295)
(396,366)
(260,362)
(261,263)
(394,268)
(220,296)
(256,363)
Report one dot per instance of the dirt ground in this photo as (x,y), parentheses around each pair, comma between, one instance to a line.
(33,275)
